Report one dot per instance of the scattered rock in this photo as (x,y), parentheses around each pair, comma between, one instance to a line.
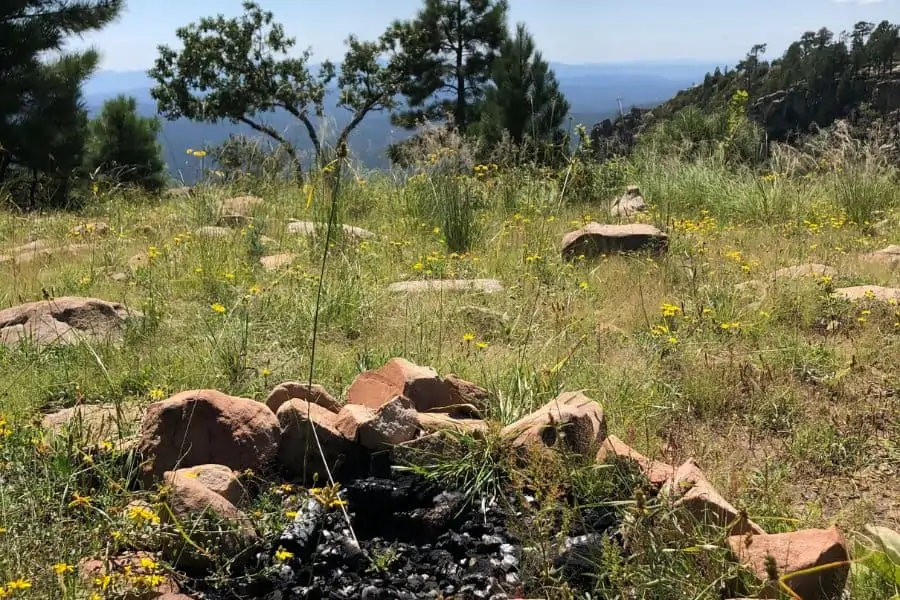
(200,427)
(93,423)
(289,390)
(484,286)
(399,377)
(628,204)
(234,221)
(66,320)
(805,270)
(119,277)
(701,500)
(138,575)
(868,292)
(141,260)
(794,552)
(40,249)
(240,205)
(301,423)
(571,421)
(595,239)
(277,261)
(309,228)
(465,393)
(217,478)
(394,422)
(212,232)
(91,228)
(214,523)
(431,422)
(885,256)
(658,473)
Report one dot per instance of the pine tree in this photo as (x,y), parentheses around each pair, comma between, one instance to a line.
(444,56)
(42,117)
(524,99)
(123,145)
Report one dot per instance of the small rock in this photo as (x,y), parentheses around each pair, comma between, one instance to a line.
(240,205)
(628,204)
(399,377)
(886,256)
(487,322)
(431,422)
(571,421)
(291,389)
(595,239)
(212,232)
(299,452)
(200,427)
(394,422)
(277,261)
(140,260)
(309,228)
(93,423)
(805,270)
(484,286)
(214,523)
(658,473)
(66,320)
(697,495)
(868,292)
(234,221)
(465,393)
(794,552)
(217,478)
(139,572)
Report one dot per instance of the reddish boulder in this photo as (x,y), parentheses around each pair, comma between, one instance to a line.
(395,422)
(658,473)
(202,427)
(571,421)
(465,393)
(697,495)
(135,575)
(301,424)
(432,422)
(291,389)
(217,478)
(399,377)
(796,552)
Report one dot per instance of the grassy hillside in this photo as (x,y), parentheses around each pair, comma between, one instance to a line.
(783,393)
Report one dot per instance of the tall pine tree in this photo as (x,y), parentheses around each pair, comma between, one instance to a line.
(445,56)
(524,98)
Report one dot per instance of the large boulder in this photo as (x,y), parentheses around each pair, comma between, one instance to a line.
(302,424)
(796,552)
(571,422)
(66,320)
(690,489)
(200,427)
(309,228)
(595,239)
(221,531)
(394,422)
(399,377)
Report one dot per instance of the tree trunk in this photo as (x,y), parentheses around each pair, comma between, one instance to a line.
(460,72)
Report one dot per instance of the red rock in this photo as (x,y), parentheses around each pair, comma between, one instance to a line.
(299,452)
(139,573)
(291,389)
(571,421)
(701,500)
(395,422)
(794,552)
(658,473)
(217,478)
(465,393)
(202,427)
(399,377)
(431,422)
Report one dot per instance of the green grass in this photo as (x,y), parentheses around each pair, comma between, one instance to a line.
(785,415)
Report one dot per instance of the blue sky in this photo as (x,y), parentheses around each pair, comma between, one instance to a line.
(570,31)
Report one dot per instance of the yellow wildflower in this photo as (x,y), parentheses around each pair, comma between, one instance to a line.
(79,500)
(157,394)
(282,554)
(468,337)
(18,584)
(217,308)
(62,568)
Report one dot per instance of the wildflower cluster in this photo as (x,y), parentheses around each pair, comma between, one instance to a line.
(704,225)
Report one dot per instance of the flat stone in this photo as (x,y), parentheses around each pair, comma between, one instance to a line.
(394,422)
(66,320)
(868,292)
(657,473)
(399,377)
(805,270)
(290,390)
(213,232)
(94,423)
(277,261)
(309,228)
(571,421)
(795,552)
(595,239)
(484,286)
(886,256)
(432,422)
(240,205)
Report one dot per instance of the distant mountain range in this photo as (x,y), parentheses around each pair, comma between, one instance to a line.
(595,92)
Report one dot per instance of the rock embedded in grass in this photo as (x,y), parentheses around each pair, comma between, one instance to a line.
(796,552)
(240,205)
(310,228)
(133,571)
(217,478)
(886,256)
(656,472)
(305,426)
(595,239)
(806,270)
(66,320)
(274,262)
(628,204)
(199,427)
(868,292)
(211,232)
(93,423)
(484,286)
